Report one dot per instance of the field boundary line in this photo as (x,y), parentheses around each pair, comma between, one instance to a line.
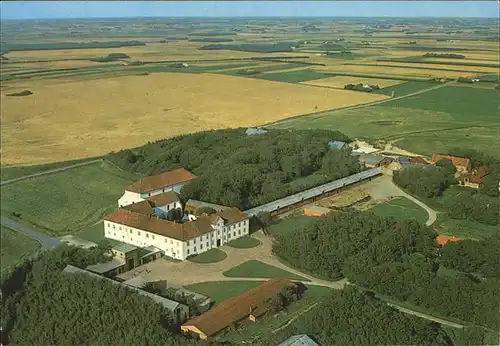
(284,121)
(50,171)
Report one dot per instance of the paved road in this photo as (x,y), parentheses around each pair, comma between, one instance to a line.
(50,171)
(318,114)
(46,241)
(427,317)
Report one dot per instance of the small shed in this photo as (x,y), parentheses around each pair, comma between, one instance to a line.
(336,145)
(372,161)
(443,239)
(314,210)
(403,160)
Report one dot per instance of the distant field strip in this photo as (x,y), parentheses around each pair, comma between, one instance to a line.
(340,81)
(433,67)
(78,122)
(392,72)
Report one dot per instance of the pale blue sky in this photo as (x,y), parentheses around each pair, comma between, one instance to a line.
(108,9)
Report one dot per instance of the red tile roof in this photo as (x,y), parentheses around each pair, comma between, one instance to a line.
(138,216)
(161,180)
(442,239)
(476,177)
(164,198)
(457,161)
(418,159)
(253,301)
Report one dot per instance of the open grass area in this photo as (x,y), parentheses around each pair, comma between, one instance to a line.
(464,228)
(245,242)
(469,105)
(294,76)
(401,209)
(12,172)
(290,224)
(14,248)
(257,269)
(65,202)
(405,88)
(210,256)
(220,291)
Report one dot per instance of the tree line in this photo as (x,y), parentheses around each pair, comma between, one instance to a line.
(351,317)
(398,259)
(245,171)
(42,306)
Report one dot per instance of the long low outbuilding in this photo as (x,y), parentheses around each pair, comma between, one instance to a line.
(314,192)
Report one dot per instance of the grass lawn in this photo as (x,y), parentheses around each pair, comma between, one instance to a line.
(294,76)
(65,202)
(464,228)
(11,172)
(401,209)
(405,88)
(245,242)
(210,256)
(257,269)
(290,224)
(222,290)
(15,247)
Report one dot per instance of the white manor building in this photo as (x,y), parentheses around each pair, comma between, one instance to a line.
(142,223)
(155,185)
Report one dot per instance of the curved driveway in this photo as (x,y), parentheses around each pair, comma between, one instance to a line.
(46,241)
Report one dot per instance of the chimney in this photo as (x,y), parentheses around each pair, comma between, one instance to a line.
(249,309)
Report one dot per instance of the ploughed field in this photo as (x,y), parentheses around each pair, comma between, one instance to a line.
(93,117)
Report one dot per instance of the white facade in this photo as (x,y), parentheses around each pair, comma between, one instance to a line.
(130,197)
(167,207)
(178,249)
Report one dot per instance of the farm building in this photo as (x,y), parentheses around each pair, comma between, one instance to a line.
(442,239)
(173,291)
(474,179)
(308,196)
(155,185)
(372,160)
(462,164)
(255,131)
(125,257)
(314,210)
(418,160)
(249,305)
(299,340)
(193,205)
(336,145)
(178,310)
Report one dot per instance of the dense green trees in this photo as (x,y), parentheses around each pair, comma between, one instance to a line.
(349,317)
(45,307)
(424,181)
(245,171)
(471,256)
(468,204)
(340,235)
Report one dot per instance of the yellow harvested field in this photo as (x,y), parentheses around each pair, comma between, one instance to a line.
(69,120)
(440,66)
(392,71)
(471,61)
(340,81)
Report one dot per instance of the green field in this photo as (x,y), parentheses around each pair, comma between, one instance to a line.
(290,224)
(64,202)
(425,124)
(405,88)
(462,103)
(245,242)
(14,248)
(257,269)
(222,290)
(464,228)
(210,256)
(11,172)
(294,76)
(401,209)
(263,69)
